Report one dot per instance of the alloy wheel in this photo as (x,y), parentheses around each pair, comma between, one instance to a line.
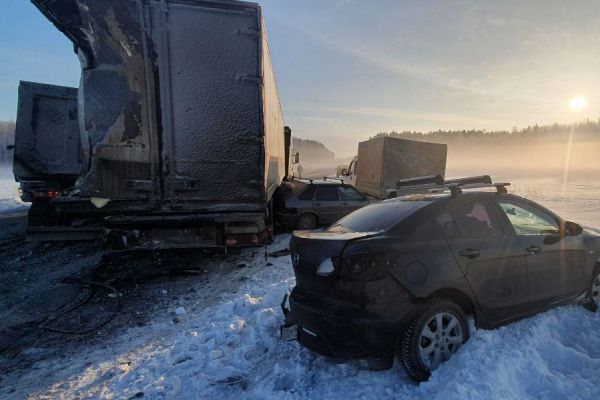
(441,336)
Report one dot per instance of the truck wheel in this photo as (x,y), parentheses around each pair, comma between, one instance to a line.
(432,338)
(306,222)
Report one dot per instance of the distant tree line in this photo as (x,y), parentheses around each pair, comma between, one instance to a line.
(311,149)
(585,130)
(7,137)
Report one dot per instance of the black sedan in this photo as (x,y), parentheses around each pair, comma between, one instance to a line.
(397,279)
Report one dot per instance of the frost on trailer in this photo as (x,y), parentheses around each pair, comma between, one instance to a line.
(179,117)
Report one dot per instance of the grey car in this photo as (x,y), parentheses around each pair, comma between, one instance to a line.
(307,204)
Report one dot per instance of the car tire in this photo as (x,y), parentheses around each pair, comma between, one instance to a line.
(423,346)
(306,222)
(594,292)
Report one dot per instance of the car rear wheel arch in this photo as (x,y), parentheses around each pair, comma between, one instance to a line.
(456,296)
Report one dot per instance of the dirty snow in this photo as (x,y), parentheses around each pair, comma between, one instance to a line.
(231,351)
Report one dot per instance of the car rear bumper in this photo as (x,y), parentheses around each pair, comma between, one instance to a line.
(343,330)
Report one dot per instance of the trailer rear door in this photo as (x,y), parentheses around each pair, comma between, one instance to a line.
(47,139)
(210,71)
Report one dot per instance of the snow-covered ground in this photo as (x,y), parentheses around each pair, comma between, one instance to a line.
(231,350)
(9,196)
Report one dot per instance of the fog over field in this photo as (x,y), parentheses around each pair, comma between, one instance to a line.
(555,164)
(561,152)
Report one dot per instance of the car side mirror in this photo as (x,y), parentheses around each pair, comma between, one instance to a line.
(571,229)
(10,147)
(296,158)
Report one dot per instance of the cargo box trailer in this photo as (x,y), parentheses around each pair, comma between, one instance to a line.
(383,161)
(179,137)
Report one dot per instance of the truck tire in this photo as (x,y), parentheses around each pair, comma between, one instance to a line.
(432,338)
(307,222)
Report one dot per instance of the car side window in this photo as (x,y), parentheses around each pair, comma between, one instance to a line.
(307,194)
(348,193)
(474,219)
(327,193)
(528,220)
(446,222)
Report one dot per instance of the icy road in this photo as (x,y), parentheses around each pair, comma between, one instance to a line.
(230,349)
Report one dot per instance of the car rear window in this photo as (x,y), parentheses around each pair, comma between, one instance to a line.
(348,193)
(327,193)
(378,217)
(307,194)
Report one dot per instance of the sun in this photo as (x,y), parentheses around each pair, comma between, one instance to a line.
(578,103)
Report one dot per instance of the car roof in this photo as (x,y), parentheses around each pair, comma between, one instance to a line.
(295,186)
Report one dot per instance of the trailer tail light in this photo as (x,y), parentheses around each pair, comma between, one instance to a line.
(45,195)
(242,239)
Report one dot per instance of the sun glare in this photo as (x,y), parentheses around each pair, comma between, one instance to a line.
(578,103)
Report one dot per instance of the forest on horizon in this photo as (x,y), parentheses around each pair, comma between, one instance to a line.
(587,129)
(535,150)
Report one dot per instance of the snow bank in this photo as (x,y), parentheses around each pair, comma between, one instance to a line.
(555,355)
(232,351)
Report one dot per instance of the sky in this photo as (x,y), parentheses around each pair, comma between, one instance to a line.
(348,69)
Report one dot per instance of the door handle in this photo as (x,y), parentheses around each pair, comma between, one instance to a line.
(316,204)
(470,253)
(533,250)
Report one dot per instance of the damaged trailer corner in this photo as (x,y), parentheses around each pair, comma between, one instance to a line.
(179,119)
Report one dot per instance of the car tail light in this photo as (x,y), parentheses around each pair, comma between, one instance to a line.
(365,267)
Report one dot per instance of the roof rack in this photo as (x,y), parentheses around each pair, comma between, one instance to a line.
(334,179)
(295,178)
(421,180)
(436,184)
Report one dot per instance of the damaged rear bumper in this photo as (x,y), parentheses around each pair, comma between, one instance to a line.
(343,330)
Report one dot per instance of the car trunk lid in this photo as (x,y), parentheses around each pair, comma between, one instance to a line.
(310,248)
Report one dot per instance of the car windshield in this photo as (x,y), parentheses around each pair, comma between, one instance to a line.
(378,217)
